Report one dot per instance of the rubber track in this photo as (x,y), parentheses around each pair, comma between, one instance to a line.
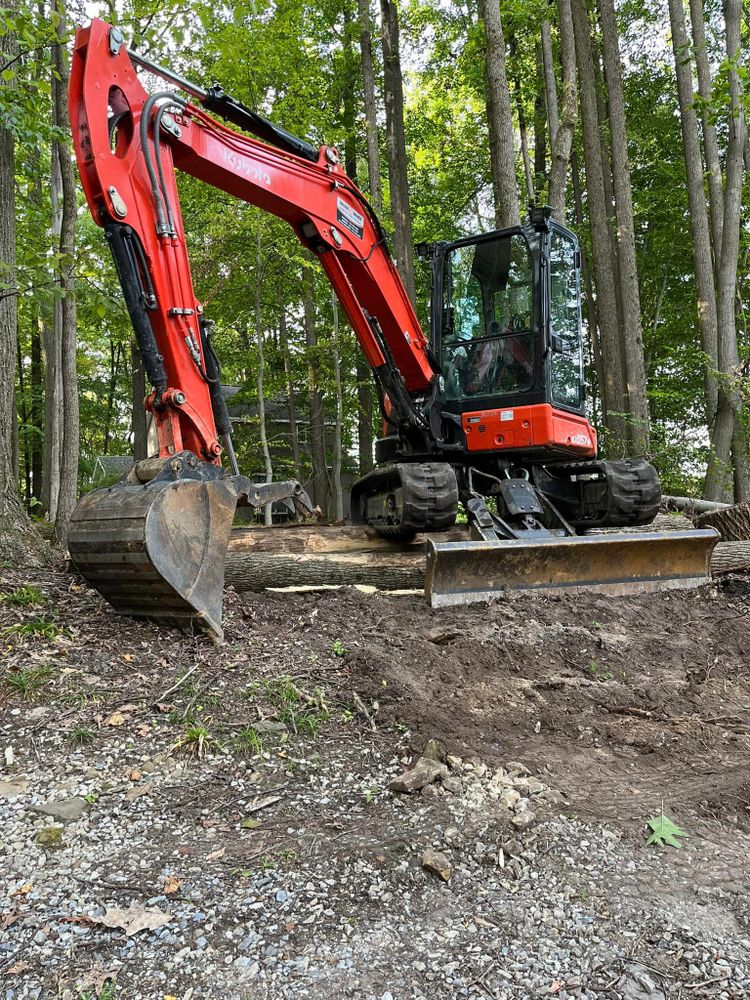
(430,496)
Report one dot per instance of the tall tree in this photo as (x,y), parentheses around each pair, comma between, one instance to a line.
(320,493)
(291,403)
(393,90)
(66,281)
(564,125)
(260,373)
(632,332)
(371,109)
(613,386)
(499,118)
(19,543)
(701,243)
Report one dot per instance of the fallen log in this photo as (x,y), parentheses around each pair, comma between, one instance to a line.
(261,558)
(732,523)
(692,505)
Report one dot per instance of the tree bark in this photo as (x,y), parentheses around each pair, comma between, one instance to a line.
(371,109)
(613,385)
(338,490)
(632,332)
(52,348)
(393,88)
(728,430)
(710,141)
(68,494)
(550,84)
(291,404)
(540,125)
(20,545)
(319,483)
(592,321)
(139,424)
(348,98)
(499,118)
(562,143)
(364,417)
(732,523)
(261,371)
(702,262)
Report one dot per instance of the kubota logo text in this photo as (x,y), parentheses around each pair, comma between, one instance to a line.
(244,166)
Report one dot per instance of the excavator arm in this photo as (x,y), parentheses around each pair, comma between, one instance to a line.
(128,144)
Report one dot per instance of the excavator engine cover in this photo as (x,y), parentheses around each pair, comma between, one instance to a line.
(620,563)
(157,549)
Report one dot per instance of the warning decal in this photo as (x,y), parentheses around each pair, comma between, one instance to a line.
(350,218)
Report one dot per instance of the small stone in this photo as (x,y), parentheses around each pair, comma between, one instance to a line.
(437,863)
(453,785)
(509,798)
(11,788)
(434,750)
(65,811)
(523,820)
(269,727)
(516,767)
(423,773)
(50,838)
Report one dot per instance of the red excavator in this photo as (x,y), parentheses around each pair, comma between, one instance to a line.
(489,412)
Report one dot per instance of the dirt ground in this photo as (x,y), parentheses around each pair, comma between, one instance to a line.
(623,707)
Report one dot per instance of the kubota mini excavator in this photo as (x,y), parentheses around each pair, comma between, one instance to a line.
(489,412)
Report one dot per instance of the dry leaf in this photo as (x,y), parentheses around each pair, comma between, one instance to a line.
(14,970)
(137,790)
(115,719)
(97,977)
(135,918)
(23,890)
(215,854)
(127,657)
(557,985)
(7,919)
(135,775)
(10,757)
(171,884)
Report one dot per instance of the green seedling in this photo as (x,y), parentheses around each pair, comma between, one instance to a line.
(81,736)
(23,597)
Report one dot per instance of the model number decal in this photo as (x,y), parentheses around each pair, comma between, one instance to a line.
(244,166)
(582,439)
(506,414)
(350,218)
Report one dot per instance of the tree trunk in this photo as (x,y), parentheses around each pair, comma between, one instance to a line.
(592,321)
(393,89)
(338,490)
(702,262)
(371,110)
(319,481)
(524,136)
(20,545)
(364,417)
(261,371)
(566,124)
(21,406)
(540,129)
(52,348)
(348,99)
(710,141)
(291,405)
(613,384)
(732,523)
(70,427)
(728,429)
(139,424)
(632,332)
(499,118)
(550,85)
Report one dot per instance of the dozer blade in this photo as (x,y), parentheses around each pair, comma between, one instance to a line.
(623,563)
(157,550)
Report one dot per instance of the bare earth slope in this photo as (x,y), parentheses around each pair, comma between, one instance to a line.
(235,798)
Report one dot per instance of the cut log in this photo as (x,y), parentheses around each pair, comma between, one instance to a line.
(730,557)
(691,505)
(299,538)
(732,523)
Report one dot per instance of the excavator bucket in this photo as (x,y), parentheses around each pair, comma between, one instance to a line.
(621,563)
(157,549)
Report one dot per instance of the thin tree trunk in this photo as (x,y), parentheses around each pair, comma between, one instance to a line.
(702,262)
(540,130)
(500,119)
(710,141)
(114,370)
(37,408)
(613,383)
(588,284)
(139,424)
(338,490)
(70,426)
(22,409)
(348,98)
(566,124)
(371,110)
(52,348)
(364,416)
(317,413)
(632,332)
(524,135)
(291,405)
(19,543)
(261,371)
(550,85)
(729,415)
(393,88)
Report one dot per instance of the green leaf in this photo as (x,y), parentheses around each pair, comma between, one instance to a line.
(664,831)
(250,824)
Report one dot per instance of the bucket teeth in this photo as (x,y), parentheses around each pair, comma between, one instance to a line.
(466,572)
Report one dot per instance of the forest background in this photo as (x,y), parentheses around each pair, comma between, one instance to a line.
(628,118)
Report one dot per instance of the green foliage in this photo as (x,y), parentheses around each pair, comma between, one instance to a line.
(23,597)
(41,627)
(664,832)
(81,736)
